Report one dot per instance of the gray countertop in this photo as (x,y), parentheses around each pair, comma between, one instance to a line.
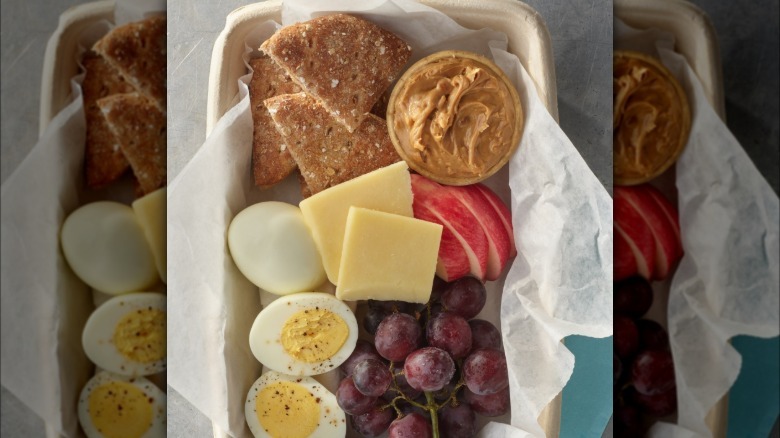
(581,34)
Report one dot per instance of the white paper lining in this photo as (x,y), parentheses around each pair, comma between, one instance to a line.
(727,282)
(562,215)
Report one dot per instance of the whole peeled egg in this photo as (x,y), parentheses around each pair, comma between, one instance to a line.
(127,334)
(304,334)
(105,246)
(274,248)
(280,405)
(121,406)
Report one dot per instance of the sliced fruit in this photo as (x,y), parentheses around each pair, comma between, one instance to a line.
(457,218)
(625,261)
(498,240)
(670,211)
(666,242)
(637,234)
(453,263)
(503,213)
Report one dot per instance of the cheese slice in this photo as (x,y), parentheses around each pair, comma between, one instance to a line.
(151,213)
(388,189)
(388,257)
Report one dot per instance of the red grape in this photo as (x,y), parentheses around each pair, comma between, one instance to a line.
(465,296)
(451,333)
(438,288)
(617,369)
(633,297)
(490,405)
(374,422)
(413,425)
(429,369)
(363,350)
(653,372)
(484,335)
(659,405)
(390,306)
(404,386)
(652,335)
(374,316)
(372,377)
(458,421)
(485,372)
(628,421)
(351,400)
(398,335)
(626,341)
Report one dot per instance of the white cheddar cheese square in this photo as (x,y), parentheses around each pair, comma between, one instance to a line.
(388,257)
(388,189)
(151,213)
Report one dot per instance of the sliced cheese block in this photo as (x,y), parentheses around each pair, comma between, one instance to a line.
(151,213)
(105,246)
(273,248)
(388,189)
(388,257)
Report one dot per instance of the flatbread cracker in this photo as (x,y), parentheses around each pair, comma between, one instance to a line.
(327,154)
(271,161)
(104,161)
(140,127)
(343,61)
(137,51)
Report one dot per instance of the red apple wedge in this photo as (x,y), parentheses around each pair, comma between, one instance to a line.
(457,218)
(669,210)
(625,261)
(503,213)
(490,221)
(636,232)
(452,263)
(667,244)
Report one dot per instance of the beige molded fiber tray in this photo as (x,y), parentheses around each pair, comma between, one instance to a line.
(528,39)
(696,40)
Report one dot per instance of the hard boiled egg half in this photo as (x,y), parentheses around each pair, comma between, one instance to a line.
(304,334)
(120,406)
(294,407)
(105,246)
(127,334)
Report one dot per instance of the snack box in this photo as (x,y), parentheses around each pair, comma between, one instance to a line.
(528,39)
(696,40)
(60,65)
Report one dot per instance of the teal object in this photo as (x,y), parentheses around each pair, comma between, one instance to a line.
(587,398)
(754,400)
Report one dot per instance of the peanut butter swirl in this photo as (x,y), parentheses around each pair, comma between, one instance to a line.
(651,118)
(455,118)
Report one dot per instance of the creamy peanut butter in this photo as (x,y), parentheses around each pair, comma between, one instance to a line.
(455,118)
(651,118)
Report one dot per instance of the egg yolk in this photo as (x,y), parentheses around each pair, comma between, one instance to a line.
(140,335)
(287,409)
(120,410)
(314,335)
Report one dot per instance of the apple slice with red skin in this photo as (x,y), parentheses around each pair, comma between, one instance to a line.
(670,211)
(636,233)
(625,261)
(491,223)
(503,213)
(452,263)
(667,245)
(457,218)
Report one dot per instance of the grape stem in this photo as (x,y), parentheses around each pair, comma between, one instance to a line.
(432,408)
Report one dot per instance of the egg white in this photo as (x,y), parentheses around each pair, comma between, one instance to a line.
(332,420)
(159,405)
(97,338)
(265,335)
(105,246)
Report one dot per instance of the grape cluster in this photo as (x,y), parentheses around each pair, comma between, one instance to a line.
(430,369)
(642,364)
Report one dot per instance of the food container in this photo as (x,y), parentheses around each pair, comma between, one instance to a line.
(528,39)
(60,65)
(696,40)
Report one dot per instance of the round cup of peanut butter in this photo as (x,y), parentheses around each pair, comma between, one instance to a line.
(455,117)
(651,119)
